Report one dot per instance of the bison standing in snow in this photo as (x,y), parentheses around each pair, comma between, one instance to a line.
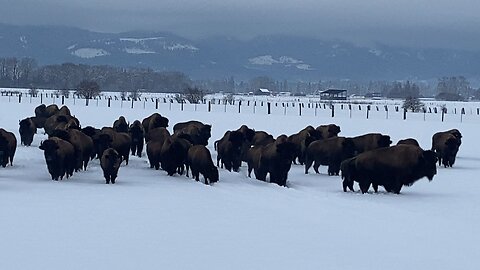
(8,146)
(390,167)
(110,163)
(199,160)
(27,129)
(60,157)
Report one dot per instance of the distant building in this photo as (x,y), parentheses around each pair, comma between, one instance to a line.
(333,94)
(262,92)
(374,95)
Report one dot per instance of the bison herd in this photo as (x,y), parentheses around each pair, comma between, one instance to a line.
(369,159)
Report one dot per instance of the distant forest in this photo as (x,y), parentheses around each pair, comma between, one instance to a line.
(26,73)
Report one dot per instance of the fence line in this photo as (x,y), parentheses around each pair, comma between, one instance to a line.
(325,109)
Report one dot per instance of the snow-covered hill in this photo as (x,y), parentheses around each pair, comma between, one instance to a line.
(281,57)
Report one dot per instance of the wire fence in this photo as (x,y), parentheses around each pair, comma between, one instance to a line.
(455,113)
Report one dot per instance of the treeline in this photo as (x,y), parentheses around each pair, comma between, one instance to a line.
(26,73)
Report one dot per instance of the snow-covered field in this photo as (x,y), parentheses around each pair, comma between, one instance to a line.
(151,221)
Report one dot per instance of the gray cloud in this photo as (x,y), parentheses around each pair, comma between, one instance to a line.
(439,23)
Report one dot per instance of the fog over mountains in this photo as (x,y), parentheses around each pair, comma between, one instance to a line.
(280,57)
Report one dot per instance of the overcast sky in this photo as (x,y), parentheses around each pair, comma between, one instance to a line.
(419,23)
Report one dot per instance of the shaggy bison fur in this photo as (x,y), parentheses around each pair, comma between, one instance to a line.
(199,132)
(276,160)
(199,160)
(120,125)
(301,140)
(173,155)
(110,163)
(262,138)
(445,145)
(8,146)
(390,167)
(229,149)
(330,152)
(371,141)
(59,156)
(154,121)
(27,129)
(328,131)
(82,145)
(410,141)
(137,134)
(109,138)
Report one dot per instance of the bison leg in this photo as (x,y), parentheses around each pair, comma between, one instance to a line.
(113,177)
(308,164)
(316,165)
(364,186)
(375,187)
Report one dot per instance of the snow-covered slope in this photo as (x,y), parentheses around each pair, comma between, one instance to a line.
(151,221)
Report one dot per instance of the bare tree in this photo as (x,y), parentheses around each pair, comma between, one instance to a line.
(88,89)
(193,95)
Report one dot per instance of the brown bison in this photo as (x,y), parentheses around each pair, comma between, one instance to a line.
(262,138)
(59,121)
(110,163)
(60,157)
(64,110)
(154,150)
(46,111)
(120,125)
(109,138)
(330,152)
(390,167)
(27,130)
(445,145)
(173,155)
(137,134)
(199,132)
(229,149)
(370,141)
(276,160)
(199,160)
(157,134)
(410,141)
(301,140)
(253,159)
(82,145)
(154,121)
(8,146)
(328,131)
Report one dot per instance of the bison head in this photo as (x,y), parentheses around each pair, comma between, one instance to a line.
(213,175)
(384,141)
(50,148)
(428,163)
(333,130)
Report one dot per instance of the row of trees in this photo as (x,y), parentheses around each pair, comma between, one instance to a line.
(27,73)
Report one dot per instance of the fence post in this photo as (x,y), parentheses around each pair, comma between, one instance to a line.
(405,114)
(86,101)
(239,104)
(41,98)
(268,109)
(108,102)
(368,110)
(63,100)
(333,110)
(156,104)
(132,102)
(20,98)
(300,109)
(443,113)
(144,101)
(181,105)
(209,106)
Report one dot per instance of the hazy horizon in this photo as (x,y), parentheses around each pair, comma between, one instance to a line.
(437,24)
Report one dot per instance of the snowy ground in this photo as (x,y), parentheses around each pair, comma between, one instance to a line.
(151,221)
